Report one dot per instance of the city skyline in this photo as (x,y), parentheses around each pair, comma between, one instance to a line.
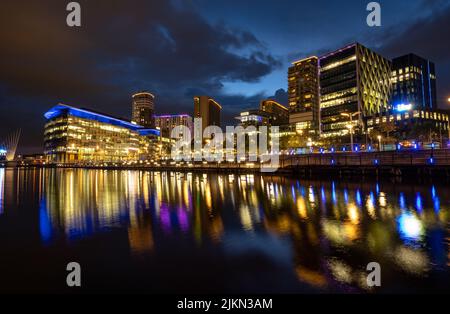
(215,155)
(261,57)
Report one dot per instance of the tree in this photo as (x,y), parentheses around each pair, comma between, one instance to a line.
(373,135)
(426,131)
(388,127)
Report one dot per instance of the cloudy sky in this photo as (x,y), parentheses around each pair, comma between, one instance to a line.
(237,51)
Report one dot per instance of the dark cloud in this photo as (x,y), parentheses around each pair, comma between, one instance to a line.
(122,46)
(172,49)
(426,37)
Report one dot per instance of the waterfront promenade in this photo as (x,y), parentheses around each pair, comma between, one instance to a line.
(434,162)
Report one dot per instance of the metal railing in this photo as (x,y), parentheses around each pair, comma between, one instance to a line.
(439,157)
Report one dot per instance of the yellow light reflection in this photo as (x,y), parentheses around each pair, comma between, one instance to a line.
(2,179)
(246,218)
(301,208)
(353,213)
(412,261)
(311,277)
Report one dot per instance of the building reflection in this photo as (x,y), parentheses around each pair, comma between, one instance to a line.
(2,183)
(332,245)
(79,203)
(334,228)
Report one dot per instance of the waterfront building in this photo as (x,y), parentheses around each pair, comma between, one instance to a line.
(254,117)
(208,109)
(277,113)
(413,83)
(76,135)
(405,121)
(32,159)
(354,80)
(143,109)
(165,123)
(303,93)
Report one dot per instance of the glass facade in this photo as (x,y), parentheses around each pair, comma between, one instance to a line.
(352,79)
(404,120)
(414,82)
(254,117)
(303,92)
(75,135)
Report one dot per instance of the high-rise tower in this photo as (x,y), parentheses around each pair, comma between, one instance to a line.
(143,109)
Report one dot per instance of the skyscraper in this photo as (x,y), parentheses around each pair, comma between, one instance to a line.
(208,109)
(143,109)
(413,101)
(414,83)
(352,79)
(303,90)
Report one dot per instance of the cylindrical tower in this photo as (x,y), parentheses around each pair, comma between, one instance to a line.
(143,108)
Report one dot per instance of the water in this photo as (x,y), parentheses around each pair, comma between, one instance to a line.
(137,231)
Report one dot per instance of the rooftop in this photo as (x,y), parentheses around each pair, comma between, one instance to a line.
(61,109)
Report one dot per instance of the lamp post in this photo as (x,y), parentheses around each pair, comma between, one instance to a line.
(379,142)
(309,144)
(350,126)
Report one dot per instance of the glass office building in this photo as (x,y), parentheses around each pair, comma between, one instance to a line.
(74,135)
(414,83)
(352,79)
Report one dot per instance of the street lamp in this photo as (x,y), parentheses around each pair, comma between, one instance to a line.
(350,126)
(379,142)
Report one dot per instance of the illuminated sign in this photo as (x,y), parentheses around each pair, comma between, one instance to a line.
(403,107)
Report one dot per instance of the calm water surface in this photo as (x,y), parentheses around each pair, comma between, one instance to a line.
(137,231)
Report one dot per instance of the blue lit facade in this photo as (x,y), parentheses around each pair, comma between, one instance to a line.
(413,83)
(74,135)
(405,120)
(413,99)
(253,117)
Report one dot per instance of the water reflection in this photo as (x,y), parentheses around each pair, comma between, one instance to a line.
(332,229)
(2,180)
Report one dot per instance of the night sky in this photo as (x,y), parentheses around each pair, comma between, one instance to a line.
(236,51)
